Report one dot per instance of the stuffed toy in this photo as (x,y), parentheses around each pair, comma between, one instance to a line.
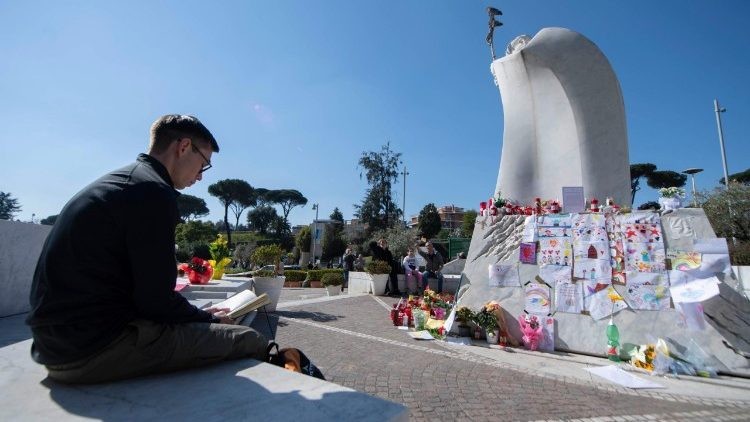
(531,329)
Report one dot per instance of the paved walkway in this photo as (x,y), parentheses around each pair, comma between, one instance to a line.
(352,340)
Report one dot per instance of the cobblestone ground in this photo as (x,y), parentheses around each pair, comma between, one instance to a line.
(355,345)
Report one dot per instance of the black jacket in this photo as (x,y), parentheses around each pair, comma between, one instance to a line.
(108,260)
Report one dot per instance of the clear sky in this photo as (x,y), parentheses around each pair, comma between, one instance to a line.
(295,91)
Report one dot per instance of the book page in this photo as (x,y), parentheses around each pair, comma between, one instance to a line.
(237,300)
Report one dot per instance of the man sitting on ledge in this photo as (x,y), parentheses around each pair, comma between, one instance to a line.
(433,267)
(103,305)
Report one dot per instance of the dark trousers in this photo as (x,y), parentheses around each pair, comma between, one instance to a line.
(147,347)
(393,279)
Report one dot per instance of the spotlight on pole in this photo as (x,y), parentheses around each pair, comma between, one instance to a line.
(692,172)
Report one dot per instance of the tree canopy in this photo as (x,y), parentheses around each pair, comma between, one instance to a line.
(638,171)
(429,221)
(666,179)
(467,223)
(229,191)
(304,237)
(191,207)
(656,179)
(742,177)
(49,221)
(377,209)
(333,245)
(261,218)
(287,198)
(728,210)
(9,206)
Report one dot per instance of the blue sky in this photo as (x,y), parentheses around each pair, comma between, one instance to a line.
(295,91)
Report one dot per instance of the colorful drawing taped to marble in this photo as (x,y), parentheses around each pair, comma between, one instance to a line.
(684,261)
(538,299)
(568,296)
(593,269)
(527,252)
(645,257)
(555,251)
(647,297)
(593,250)
(616,251)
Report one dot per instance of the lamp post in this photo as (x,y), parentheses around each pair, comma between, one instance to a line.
(692,172)
(403,208)
(718,112)
(316,207)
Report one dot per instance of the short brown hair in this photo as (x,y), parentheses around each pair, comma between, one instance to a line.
(168,128)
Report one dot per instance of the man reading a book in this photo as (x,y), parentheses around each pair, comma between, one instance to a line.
(103,300)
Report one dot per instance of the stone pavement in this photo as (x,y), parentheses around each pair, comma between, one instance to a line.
(353,342)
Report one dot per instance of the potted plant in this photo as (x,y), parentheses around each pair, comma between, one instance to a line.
(671,198)
(487,320)
(464,316)
(377,272)
(268,282)
(219,249)
(333,283)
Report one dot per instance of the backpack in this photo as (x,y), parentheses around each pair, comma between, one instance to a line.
(294,360)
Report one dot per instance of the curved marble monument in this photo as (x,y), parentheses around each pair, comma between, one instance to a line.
(564,119)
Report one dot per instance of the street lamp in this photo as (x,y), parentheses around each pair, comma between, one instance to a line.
(316,207)
(692,172)
(403,209)
(718,110)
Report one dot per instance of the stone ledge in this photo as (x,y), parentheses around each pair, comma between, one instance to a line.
(240,389)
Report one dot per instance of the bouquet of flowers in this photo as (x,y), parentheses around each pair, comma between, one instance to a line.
(198,270)
(643,356)
(220,253)
(673,192)
(531,329)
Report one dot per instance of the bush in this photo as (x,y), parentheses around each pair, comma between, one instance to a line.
(264,273)
(186,251)
(378,267)
(317,275)
(740,253)
(332,279)
(295,275)
(267,255)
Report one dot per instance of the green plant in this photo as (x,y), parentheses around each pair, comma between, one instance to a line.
(264,273)
(486,320)
(332,279)
(219,248)
(295,275)
(378,267)
(464,315)
(267,255)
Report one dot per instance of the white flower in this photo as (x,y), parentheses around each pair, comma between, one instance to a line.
(672,192)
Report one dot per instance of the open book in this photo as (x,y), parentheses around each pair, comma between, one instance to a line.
(243,303)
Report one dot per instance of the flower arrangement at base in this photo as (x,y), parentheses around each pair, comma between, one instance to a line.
(486,319)
(504,335)
(219,249)
(531,329)
(643,356)
(198,270)
(673,192)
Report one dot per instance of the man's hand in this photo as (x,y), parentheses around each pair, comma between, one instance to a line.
(221,313)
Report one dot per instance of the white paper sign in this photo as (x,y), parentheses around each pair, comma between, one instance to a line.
(569,297)
(691,315)
(502,275)
(529,230)
(618,376)
(695,291)
(600,306)
(573,200)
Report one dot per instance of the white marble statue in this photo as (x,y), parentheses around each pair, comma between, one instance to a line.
(564,119)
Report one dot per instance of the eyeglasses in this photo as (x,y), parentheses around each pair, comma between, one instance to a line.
(208,162)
